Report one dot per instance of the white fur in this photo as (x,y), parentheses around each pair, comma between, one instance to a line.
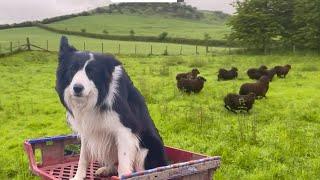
(114,85)
(103,136)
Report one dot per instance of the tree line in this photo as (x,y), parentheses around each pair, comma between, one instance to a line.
(265,24)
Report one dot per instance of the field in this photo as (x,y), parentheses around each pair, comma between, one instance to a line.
(121,24)
(279,139)
(40,37)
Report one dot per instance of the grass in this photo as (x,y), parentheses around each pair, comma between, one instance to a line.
(40,37)
(279,139)
(121,24)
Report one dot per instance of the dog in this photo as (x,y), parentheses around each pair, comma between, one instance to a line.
(107,112)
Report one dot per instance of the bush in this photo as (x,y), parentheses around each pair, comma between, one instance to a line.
(105,32)
(163,36)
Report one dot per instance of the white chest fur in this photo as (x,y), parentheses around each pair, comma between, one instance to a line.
(101,132)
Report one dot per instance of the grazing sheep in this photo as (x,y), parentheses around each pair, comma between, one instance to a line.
(191,85)
(255,73)
(282,71)
(234,102)
(189,75)
(228,75)
(259,88)
(269,72)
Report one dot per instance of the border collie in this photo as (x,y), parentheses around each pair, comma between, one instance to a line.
(107,112)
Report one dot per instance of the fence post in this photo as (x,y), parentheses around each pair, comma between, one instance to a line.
(102,47)
(151,50)
(119,49)
(11,47)
(28,44)
(181,50)
(135,49)
(294,49)
(196,49)
(47,45)
(84,45)
(0,48)
(207,49)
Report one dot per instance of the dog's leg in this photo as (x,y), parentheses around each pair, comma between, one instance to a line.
(83,163)
(108,169)
(140,159)
(128,145)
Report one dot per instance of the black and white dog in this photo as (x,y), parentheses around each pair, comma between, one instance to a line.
(107,112)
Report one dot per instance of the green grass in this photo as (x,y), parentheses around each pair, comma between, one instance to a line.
(279,139)
(121,24)
(39,37)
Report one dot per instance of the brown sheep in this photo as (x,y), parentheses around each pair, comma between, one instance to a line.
(189,75)
(269,72)
(255,73)
(282,71)
(191,85)
(234,102)
(228,75)
(259,88)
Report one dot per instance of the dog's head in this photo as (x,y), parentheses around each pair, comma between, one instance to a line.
(83,78)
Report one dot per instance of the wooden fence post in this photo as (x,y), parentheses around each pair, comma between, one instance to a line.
(84,45)
(102,47)
(119,48)
(151,50)
(207,49)
(11,47)
(181,50)
(197,49)
(47,45)
(135,49)
(294,49)
(28,44)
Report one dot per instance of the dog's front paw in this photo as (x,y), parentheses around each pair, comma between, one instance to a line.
(106,170)
(78,177)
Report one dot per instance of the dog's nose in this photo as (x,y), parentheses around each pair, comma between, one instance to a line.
(78,88)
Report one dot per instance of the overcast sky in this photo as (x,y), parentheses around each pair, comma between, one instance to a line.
(22,10)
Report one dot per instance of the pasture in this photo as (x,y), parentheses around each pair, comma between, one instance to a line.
(40,37)
(121,24)
(279,139)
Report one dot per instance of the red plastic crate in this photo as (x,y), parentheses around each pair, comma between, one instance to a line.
(59,163)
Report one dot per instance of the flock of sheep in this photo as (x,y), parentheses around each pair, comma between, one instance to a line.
(191,82)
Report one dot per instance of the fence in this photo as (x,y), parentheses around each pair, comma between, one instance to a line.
(113,47)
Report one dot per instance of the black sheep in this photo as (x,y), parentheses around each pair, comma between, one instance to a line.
(282,71)
(259,88)
(255,73)
(191,85)
(269,72)
(228,75)
(234,102)
(189,75)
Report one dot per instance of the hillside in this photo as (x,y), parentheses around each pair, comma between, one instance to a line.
(122,24)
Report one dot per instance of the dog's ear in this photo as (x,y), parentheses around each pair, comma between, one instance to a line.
(65,49)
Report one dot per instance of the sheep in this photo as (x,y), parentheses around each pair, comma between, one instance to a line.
(189,75)
(234,102)
(228,75)
(282,71)
(191,85)
(259,88)
(269,72)
(255,73)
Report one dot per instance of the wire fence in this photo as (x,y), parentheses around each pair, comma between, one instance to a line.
(114,47)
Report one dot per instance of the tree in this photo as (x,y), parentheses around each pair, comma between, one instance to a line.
(254,25)
(163,36)
(132,33)
(307,20)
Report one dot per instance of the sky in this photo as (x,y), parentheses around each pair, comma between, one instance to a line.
(13,11)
